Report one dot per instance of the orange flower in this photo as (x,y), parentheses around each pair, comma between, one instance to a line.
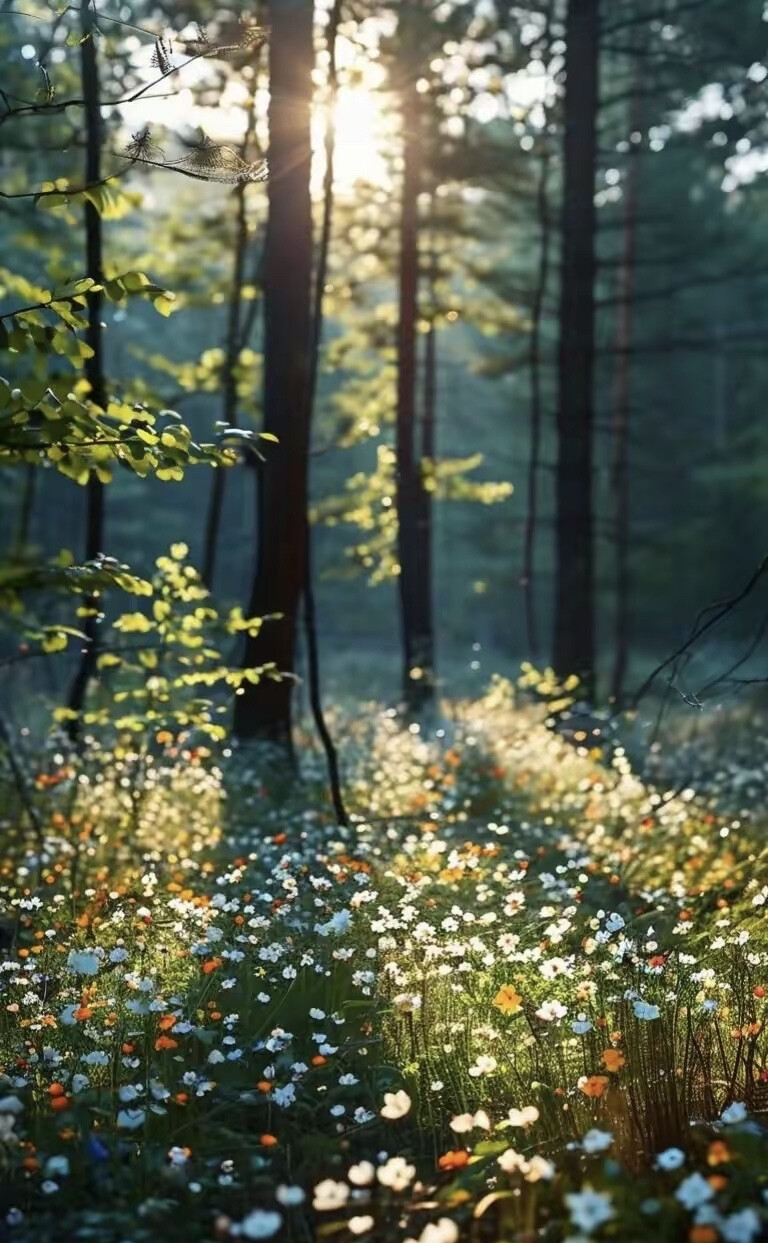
(508,1000)
(264,1085)
(718,1182)
(268,1141)
(167,1022)
(613,1060)
(718,1153)
(59,1102)
(82,1014)
(758,991)
(593,1085)
(211,965)
(56,1089)
(127,1048)
(181,1098)
(166,1042)
(453,1160)
(319,1060)
(703,1234)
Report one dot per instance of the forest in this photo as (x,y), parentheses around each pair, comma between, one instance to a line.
(383,621)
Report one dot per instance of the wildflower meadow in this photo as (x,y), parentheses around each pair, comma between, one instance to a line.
(522,996)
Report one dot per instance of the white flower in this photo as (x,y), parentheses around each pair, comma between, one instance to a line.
(330,1195)
(589,1209)
(442,1231)
(130,1119)
(551,1010)
(260,1224)
(83,962)
(741,1227)
(289,1196)
(79,1083)
(469,1122)
(396,1105)
(644,1010)
(49,1187)
(596,1141)
(485,1065)
(285,1096)
(511,1161)
(670,1159)
(396,1174)
(10,1105)
(736,1112)
(215,1057)
(694,1191)
(538,1168)
(523,1117)
(362,1174)
(359,1225)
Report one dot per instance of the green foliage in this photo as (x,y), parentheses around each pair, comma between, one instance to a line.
(169,678)
(368,503)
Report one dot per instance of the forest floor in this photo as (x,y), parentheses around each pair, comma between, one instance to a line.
(522,997)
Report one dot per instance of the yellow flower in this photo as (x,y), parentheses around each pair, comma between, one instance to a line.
(508,1000)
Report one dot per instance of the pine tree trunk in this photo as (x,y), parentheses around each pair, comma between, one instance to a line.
(574,601)
(621,417)
(229,388)
(264,711)
(94,366)
(414,611)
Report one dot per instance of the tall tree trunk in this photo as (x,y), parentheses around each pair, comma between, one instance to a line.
(622,414)
(94,366)
(26,510)
(232,348)
(423,609)
(263,711)
(416,641)
(318,301)
(229,387)
(530,529)
(574,602)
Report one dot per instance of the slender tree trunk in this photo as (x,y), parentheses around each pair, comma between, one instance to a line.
(94,366)
(232,349)
(574,602)
(26,511)
(622,415)
(423,607)
(416,643)
(263,711)
(530,529)
(229,387)
(321,277)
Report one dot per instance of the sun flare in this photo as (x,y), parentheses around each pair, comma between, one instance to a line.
(362,131)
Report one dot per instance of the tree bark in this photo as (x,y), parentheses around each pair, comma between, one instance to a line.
(622,413)
(530,529)
(263,711)
(229,388)
(94,366)
(416,636)
(574,637)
